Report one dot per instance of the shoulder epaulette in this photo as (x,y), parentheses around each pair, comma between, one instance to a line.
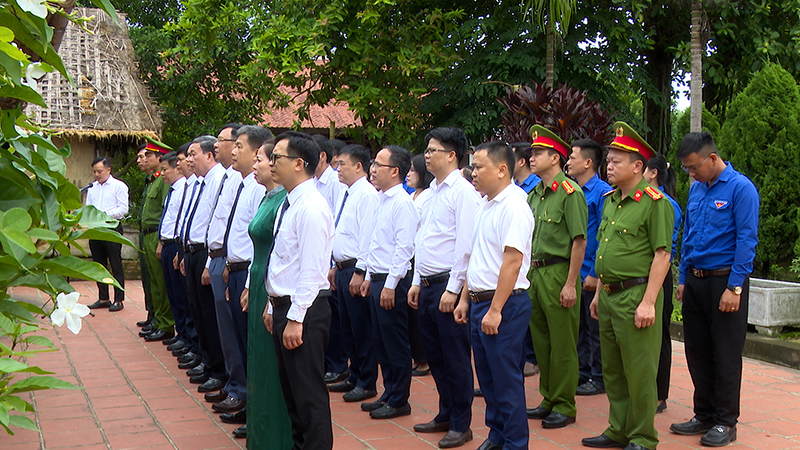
(653,193)
(609,192)
(567,187)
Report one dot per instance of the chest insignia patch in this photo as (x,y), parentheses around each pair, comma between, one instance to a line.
(720,203)
(638,195)
(554,186)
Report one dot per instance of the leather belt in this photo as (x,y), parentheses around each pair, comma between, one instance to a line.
(483,296)
(147,231)
(216,253)
(346,263)
(617,287)
(286,299)
(166,242)
(436,278)
(237,266)
(700,273)
(194,248)
(378,276)
(547,262)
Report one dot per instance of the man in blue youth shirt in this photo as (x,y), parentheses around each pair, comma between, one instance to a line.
(719,245)
(583,165)
(523,177)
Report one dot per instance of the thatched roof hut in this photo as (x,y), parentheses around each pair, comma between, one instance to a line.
(109,108)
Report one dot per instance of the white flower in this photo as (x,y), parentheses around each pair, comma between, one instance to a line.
(68,309)
(35,7)
(33,72)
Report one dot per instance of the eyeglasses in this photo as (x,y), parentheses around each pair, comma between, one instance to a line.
(273,157)
(379,165)
(430,151)
(225,140)
(695,167)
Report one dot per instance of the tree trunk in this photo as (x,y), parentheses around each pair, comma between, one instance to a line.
(696,111)
(551,51)
(658,105)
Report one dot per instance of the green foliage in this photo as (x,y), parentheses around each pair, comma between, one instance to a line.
(759,137)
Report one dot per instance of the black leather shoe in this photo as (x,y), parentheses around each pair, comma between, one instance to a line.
(143,323)
(240,432)
(591,387)
(214,397)
(186,357)
(432,427)
(100,304)
(335,377)
(718,436)
(601,441)
(199,379)
(116,306)
(181,351)
(159,335)
(635,447)
(557,420)
(228,405)
(344,386)
(358,394)
(172,341)
(237,417)
(146,330)
(196,361)
(176,345)
(455,439)
(211,384)
(372,406)
(662,405)
(196,370)
(691,427)
(537,413)
(387,412)
(478,393)
(489,445)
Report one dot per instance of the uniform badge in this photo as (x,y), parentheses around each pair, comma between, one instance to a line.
(156,175)
(638,195)
(535,134)
(653,193)
(720,203)
(620,132)
(554,186)
(567,187)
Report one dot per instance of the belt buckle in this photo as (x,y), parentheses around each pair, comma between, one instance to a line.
(474,297)
(697,272)
(607,287)
(424,282)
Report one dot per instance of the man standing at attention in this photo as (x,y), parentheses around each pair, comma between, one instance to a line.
(559,208)
(442,253)
(719,245)
(299,315)
(497,303)
(632,260)
(110,196)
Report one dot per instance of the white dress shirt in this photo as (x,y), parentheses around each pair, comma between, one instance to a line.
(192,186)
(330,187)
(110,197)
(445,236)
(351,239)
(301,255)
(391,245)
(203,204)
(422,200)
(240,246)
(219,218)
(504,221)
(169,221)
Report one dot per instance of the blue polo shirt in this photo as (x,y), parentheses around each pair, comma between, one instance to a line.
(721,227)
(594,190)
(529,183)
(677,226)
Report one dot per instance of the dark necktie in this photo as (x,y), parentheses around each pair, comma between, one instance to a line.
(339,216)
(216,202)
(230,220)
(194,210)
(180,210)
(164,212)
(191,199)
(275,235)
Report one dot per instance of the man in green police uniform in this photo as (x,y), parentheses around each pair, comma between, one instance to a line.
(162,324)
(633,256)
(559,241)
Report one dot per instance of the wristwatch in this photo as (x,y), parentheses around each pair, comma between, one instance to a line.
(735,289)
(361,272)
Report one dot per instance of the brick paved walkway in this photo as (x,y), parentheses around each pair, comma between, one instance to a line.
(136,397)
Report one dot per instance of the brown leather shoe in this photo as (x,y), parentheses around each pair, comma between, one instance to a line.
(455,439)
(230,404)
(432,427)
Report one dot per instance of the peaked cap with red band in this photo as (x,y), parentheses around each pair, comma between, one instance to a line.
(628,140)
(542,137)
(156,146)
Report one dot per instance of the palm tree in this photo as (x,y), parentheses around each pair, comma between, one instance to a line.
(554,16)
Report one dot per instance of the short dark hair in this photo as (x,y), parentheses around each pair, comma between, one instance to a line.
(636,156)
(302,146)
(499,153)
(358,154)
(206,142)
(453,139)
(401,158)
(591,150)
(522,150)
(170,158)
(425,177)
(695,143)
(324,145)
(561,158)
(102,159)
(234,128)
(338,145)
(183,149)
(256,135)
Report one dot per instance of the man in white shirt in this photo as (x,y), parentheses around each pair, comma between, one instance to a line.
(442,251)
(497,305)
(297,284)
(109,195)
(327,182)
(391,249)
(353,221)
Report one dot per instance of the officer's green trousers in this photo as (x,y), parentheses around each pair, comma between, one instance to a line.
(554,330)
(630,362)
(148,297)
(162,313)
